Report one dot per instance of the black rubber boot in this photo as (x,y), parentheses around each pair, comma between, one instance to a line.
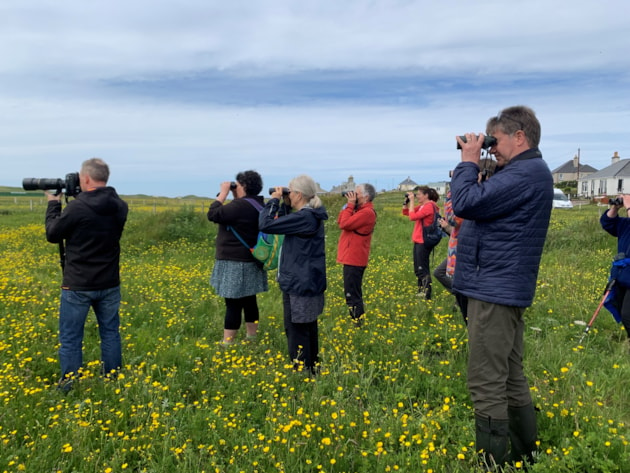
(523,433)
(492,436)
(356,317)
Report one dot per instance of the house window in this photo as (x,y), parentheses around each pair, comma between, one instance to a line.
(620,186)
(602,187)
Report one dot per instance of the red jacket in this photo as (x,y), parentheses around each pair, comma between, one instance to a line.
(357,225)
(423,215)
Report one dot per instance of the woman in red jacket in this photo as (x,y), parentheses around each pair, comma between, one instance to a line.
(422,214)
(356,221)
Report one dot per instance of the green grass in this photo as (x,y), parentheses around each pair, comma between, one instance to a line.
(391,396)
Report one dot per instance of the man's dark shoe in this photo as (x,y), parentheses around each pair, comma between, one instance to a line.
(65,385)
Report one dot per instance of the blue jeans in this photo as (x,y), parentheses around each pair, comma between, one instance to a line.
(73,311)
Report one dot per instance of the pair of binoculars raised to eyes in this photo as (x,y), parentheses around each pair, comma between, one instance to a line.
(285,190)
(488,141)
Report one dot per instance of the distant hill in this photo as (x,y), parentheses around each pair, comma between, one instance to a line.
(15,190)
(8,190)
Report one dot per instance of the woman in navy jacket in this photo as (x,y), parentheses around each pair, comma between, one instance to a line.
(302,266)
(619,227)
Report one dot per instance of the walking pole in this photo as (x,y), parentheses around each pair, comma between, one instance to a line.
(609,287)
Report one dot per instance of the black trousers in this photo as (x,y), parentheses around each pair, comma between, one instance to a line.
(233,308)
(440,274)
(421,268)
(352,288)
(302,338)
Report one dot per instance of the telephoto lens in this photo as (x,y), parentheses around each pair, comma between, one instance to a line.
(71,184)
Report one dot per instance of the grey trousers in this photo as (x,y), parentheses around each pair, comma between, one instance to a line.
(495,362)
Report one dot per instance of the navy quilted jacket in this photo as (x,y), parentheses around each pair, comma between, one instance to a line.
(302,265)
(618,227)
(505,225)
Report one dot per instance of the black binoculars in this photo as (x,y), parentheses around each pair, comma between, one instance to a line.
(285,190)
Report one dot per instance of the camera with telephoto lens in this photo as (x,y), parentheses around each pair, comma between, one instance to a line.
(616,201)
(285,191)
(70,185)
(488,141)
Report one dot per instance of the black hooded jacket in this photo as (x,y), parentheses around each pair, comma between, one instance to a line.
(91,226)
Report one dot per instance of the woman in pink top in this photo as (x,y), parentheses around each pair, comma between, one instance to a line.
(422,213)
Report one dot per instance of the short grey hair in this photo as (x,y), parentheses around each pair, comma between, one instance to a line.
(368,189)
(96,168)
(512,119)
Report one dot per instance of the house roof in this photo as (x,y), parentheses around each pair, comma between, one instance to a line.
(408,182)
(570,167)
(619,169)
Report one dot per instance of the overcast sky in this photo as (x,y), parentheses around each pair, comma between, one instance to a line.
(179,96)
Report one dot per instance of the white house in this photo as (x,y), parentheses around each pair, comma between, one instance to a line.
(612,180)
(407,185)
(441,187)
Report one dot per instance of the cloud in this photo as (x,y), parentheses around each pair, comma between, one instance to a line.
(178,98)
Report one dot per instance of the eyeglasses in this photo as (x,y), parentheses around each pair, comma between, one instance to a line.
(501,116)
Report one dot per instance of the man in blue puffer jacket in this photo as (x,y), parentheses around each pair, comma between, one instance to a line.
(499,249)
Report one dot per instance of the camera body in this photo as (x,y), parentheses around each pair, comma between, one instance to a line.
(345,193)
(407,200)
(285,191)
(616,201)
(488,141)
(71,184)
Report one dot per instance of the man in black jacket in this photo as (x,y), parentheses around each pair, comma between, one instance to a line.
(91,226)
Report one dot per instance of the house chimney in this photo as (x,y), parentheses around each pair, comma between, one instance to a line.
(576,161)
(615,158)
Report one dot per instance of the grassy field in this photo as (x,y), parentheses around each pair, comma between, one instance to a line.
(391,395)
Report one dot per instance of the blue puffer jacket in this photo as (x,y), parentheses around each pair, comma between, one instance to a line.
(618,227)
(302,266)
(505,225)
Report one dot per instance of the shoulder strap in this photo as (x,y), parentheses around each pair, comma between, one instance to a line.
(233,230)
(254,203)
(436,214)
(258,207)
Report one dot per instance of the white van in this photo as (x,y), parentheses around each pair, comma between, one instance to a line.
(560,200)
